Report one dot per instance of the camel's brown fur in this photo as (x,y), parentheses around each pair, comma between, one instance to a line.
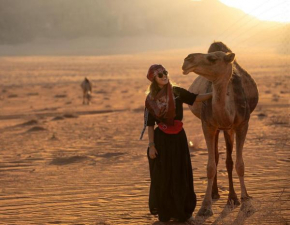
(235,96)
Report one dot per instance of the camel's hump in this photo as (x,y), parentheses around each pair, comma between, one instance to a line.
(200,85)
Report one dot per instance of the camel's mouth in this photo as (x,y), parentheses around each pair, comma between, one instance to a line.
(187,70)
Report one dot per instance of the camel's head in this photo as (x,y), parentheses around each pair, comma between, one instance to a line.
(212,66)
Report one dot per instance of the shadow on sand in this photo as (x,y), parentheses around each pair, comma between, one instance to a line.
(173,223)
(246,210)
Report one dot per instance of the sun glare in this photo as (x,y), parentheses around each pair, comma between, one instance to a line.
(269,10)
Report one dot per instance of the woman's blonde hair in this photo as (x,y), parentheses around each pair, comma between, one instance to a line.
(154,88)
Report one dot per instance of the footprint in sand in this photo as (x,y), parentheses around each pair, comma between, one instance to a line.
(12,96)
(110,155)
(68,115)
(29,123)
(53,138)
(36,129)
(32,94)
(58,118)
(67,160)
(261,116)
(138,110)
(60,96)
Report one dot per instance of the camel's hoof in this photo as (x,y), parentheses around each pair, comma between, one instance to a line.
(233,201)
(206,212)
(215,196)
(244,199)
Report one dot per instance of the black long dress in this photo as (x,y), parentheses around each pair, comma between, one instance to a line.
(171,190)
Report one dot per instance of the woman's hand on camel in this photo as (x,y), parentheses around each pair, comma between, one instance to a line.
(203,97)
(153,152)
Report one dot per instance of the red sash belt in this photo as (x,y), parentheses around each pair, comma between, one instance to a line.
(175,129)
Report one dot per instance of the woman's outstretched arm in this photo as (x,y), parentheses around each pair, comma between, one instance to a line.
(203,97)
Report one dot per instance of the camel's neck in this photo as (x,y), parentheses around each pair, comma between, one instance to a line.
(221,108)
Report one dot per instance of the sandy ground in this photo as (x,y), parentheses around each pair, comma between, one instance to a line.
(62,162)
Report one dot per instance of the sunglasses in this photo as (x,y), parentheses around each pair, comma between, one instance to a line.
(160,75)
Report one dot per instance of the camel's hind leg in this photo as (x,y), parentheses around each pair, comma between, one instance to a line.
(209,134)
(229,138)
(89,98)
(241,134)
(215,192)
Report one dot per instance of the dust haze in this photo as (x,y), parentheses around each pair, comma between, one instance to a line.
(72,27)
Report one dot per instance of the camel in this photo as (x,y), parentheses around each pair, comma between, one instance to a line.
(86,86)
(235,96)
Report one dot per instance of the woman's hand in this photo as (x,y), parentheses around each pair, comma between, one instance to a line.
(203,97)
(153,152)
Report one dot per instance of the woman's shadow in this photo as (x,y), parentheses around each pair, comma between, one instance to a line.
(191,221)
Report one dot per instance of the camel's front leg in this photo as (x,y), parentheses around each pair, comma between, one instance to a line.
(229,138)
(241,134)
(215,191)
(209,134)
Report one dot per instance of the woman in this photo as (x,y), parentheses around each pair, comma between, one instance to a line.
(171,191)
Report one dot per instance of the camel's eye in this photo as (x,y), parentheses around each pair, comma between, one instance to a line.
(212,59)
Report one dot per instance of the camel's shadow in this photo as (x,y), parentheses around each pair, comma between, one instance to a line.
(247,209)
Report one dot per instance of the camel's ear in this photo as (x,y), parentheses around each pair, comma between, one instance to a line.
(229,57)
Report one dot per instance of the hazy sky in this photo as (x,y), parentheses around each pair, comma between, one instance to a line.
(270,10)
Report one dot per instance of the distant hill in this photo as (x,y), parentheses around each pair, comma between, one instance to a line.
(24,21)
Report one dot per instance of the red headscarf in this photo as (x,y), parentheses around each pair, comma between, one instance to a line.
(162,106)
(154,70)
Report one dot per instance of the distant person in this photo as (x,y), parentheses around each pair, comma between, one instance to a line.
(87,91)
(171,191)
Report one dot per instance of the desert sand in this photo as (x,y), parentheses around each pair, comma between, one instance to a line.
(62,162)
